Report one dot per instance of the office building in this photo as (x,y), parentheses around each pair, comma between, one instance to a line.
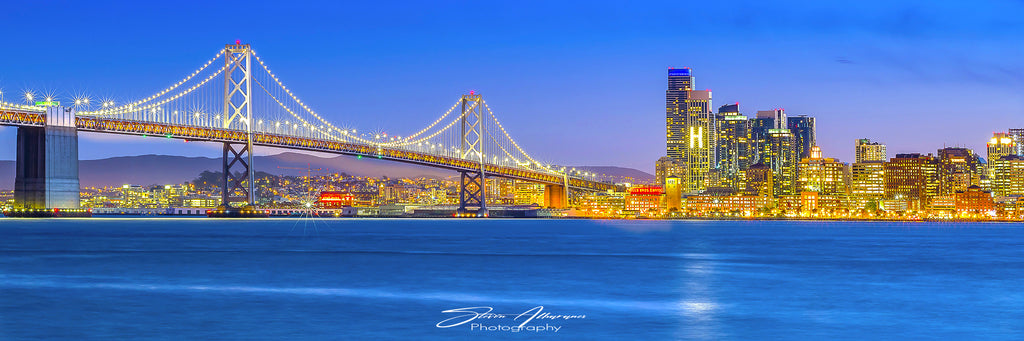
(700,140)
(958,169)
(912,178)
(825,176)
(759,181)
(680,83)
(867,151)
(666,167)
(1001,144)
(867,183)
(1008,176)
(780,154)
(1017,135)
(733,145)
(803,130)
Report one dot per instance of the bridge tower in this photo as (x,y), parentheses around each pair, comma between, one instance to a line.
(238,183)
(472,198)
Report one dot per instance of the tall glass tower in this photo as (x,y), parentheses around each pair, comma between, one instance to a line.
(680,82)
(802,128)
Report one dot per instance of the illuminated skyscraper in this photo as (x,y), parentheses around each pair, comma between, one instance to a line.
(780,154)
(700,140)
(759,127)
(958,169)
(803,131)
(869,151)
(1008,176)
(734,154)
(680,82)
(1017,135)
(999,145)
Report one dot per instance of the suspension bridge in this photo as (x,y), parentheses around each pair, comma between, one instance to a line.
(236,100)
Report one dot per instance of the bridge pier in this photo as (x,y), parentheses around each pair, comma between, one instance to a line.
(472,198)
(46,180)
(555,196)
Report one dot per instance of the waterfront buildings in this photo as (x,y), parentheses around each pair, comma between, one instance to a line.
(603,204)
(644,201)
(974,202)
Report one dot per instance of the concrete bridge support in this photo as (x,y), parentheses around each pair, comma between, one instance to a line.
(47,167)
(555,196)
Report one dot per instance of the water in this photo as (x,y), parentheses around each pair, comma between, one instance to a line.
(365,279)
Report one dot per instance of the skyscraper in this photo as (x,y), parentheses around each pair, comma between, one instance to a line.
(780,154)
(764,120)
(958,169)
(733,144)
(802,128)
(1009,175)
(680,82)
(699,140)
(1000,145)
(869,151)
(1017,134)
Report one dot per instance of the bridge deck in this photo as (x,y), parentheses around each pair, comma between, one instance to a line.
(194,133)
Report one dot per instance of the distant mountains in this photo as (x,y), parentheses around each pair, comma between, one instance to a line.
(619,174)
(167,169)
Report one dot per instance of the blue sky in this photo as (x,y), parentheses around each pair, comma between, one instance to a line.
(575,83)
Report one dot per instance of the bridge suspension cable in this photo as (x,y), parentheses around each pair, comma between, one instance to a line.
(277,111)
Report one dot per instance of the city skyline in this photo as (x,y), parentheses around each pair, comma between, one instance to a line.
(607,68)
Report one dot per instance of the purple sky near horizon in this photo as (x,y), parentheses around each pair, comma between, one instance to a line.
(576,85)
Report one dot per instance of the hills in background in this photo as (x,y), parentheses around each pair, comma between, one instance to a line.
(167,169)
